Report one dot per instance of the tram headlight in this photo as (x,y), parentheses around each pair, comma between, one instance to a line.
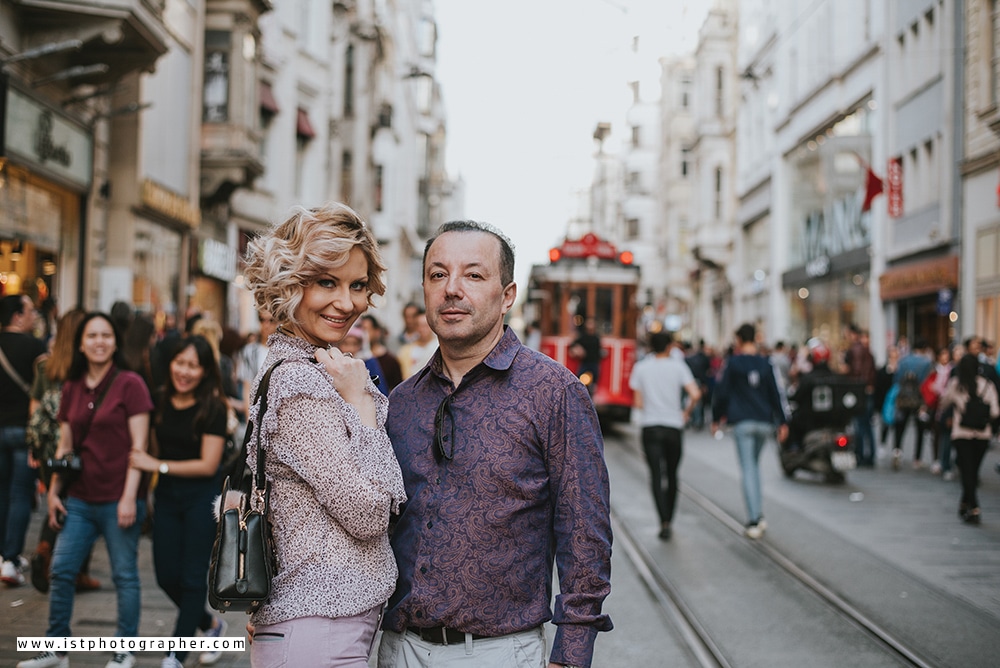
(586,378)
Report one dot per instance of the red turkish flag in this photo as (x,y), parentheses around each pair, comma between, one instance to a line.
(873,184)
(873,188)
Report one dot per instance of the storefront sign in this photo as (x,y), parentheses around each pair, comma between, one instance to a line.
(217,260)
(169,204)
(945,301)
(817,267)
(46,140)
(837,228)
(894,174)
(919,278)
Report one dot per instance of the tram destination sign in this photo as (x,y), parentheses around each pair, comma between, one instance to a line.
(590,245)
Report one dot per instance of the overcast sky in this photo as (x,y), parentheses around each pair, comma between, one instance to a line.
(524,84)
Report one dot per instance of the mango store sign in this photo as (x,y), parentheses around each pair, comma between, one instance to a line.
(839,227)
(45,139)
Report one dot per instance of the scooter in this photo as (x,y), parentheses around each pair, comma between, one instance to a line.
(822,421)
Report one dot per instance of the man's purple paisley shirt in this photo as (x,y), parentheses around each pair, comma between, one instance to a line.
(475,543)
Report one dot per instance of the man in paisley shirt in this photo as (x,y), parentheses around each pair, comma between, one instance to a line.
(503,463)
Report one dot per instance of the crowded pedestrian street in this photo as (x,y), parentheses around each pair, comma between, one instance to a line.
(887,542)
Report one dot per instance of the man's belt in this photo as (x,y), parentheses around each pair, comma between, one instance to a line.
(441,635)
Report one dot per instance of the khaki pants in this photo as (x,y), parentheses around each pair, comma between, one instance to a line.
(517,650)
(316,641)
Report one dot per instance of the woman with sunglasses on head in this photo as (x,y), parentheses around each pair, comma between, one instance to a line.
(335,480)
(103,416)
(189,425)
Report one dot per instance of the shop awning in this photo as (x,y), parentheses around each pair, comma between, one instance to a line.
(919,278)
(303,128)
(267,101)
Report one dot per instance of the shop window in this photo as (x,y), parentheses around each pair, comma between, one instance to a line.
(720,91)
(632,228)
(346,176)
(349,82)
(379,185)
(987,255)
(718,193)
(994,46)
(215,93)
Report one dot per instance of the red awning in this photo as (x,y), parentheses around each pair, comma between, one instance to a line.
(267,101)
(303,127)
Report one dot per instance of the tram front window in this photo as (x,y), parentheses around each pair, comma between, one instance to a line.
(604,312)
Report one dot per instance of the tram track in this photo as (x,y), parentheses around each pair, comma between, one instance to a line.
(697,637)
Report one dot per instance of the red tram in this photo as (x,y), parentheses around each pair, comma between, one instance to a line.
(589,278)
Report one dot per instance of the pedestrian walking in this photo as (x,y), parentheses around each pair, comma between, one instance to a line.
(911,372)
(659,383)
(103,416)
(502,457)
(932,389)
(19,350)
(884,377)
(700,365)
(334,479)
(43,439)
(976,408)
(748,397)
(189,425)
(860,364)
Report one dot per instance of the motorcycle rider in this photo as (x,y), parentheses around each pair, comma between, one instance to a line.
(804,417)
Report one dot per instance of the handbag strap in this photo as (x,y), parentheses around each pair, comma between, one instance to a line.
(14,375)
(261,395)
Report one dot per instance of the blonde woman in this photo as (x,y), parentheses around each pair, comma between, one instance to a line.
(335,480)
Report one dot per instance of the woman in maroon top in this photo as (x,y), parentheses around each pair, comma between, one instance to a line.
(103,416)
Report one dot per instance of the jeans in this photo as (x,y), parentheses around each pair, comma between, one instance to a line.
(663,447)
(865,434)
(944,444)
(183,533)
(84,523)
(17,491)
(751,435)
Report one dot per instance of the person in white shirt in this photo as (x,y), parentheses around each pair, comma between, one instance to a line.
(658,382)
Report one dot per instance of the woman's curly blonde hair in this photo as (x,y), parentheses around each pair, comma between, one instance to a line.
(307,245)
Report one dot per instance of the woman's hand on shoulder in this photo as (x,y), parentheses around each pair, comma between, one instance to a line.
(350,376)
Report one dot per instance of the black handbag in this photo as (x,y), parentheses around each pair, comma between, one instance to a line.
(243,559)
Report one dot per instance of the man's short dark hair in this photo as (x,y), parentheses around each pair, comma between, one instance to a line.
(660,341)
(10,306)
(747,333)
(506,247)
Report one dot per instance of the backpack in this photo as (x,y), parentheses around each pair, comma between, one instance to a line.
(976,414)
(909,397)
(42,433)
